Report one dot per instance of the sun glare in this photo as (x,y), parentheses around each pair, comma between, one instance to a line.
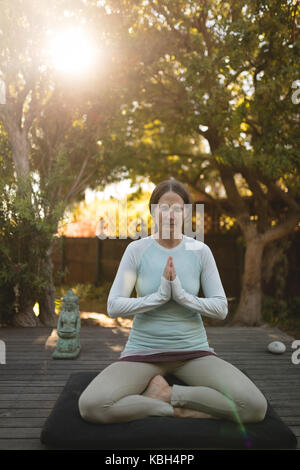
(72,52)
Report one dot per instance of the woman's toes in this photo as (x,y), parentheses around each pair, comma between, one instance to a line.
(190,413)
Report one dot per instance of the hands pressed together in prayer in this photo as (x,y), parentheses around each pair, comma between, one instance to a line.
(176,291)
(169,271)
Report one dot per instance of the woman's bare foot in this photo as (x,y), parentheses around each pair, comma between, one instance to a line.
(190,413)
(158,388)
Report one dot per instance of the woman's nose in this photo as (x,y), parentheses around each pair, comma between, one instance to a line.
(170,217)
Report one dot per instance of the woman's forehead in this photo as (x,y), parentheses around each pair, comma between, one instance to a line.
(171,198)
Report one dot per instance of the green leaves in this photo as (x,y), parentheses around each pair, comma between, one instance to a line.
(25,238)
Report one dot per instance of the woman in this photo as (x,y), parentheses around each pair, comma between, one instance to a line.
(167,334)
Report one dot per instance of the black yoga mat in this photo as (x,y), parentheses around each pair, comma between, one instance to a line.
(65,429)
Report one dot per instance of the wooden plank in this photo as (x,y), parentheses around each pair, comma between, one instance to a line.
(21,444)
(6,405)
(24,397)
(17,433)
(292,420)
(28,422)
(29,389)
(296,430)
(26,413)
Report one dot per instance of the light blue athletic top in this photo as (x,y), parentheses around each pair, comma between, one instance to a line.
(167,314)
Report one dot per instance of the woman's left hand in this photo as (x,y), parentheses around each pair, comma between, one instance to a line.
(172,269)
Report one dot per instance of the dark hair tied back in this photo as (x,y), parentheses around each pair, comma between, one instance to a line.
(173,185)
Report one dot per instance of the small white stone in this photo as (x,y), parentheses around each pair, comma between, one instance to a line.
(276,347)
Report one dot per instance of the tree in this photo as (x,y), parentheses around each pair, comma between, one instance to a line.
(221,73)
(53,130)
(216,73)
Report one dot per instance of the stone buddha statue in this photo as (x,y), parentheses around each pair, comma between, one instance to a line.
(68,328)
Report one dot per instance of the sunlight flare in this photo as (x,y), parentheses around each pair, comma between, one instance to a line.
(72,52)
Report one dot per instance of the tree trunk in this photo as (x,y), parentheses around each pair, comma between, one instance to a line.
(249,309)
(273,256)
(19,143)
(20,152)
(26,317)
(47,315)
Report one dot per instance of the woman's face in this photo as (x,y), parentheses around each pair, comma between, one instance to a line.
(170,213)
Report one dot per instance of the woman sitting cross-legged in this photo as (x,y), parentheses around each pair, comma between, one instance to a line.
(167,334)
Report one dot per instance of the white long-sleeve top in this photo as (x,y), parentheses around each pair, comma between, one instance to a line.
(167,314)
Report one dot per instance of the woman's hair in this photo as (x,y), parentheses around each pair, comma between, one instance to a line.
(173,185)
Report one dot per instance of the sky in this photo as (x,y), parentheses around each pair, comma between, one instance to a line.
(116,190)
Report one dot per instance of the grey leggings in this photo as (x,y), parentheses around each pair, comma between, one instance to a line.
(215,387)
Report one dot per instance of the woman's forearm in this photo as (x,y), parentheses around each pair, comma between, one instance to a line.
(118,306)
(213,307)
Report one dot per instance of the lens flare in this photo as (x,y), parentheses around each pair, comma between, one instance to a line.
(248,442)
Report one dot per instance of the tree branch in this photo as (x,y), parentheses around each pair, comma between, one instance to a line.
(77,180)
(260,200)
(276,190)
(282,229)
(253,126)
(235,200)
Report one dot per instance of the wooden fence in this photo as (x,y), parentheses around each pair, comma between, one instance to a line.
(91,260)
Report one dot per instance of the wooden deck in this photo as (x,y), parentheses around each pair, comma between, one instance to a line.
(31,380)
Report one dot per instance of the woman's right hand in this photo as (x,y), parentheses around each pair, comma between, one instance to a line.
(167,270)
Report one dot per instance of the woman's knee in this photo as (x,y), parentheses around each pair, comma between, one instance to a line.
(90,410)
(260,409)
(84,407)
(255,410)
